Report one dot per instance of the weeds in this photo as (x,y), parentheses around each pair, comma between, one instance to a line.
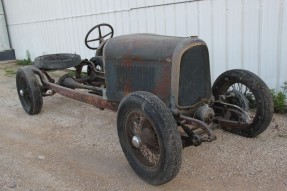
(10,72)
(26,61)
(72,73)
(279,99)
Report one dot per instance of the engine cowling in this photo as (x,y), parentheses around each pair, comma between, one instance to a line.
(165,66)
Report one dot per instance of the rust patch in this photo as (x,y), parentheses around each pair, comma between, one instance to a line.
(91,99)
(162,88)
(83,97)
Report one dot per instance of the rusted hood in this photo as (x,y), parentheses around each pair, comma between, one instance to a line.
(141,47)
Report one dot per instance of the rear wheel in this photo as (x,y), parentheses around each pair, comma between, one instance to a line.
(251,94)
(29,91)
(149,137)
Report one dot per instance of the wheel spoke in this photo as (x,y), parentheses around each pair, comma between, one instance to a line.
(107,34)
(242,96)
(240,87)
(152,158)
(139,128)
(26,93)
(233,87)
(100,32)
(93,40)
(246,90)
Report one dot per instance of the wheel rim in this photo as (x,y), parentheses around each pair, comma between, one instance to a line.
(24,92)
(143,140)
(243,90)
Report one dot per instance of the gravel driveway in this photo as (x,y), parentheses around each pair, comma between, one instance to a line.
(74,146)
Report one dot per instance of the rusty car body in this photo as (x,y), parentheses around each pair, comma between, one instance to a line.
(161,88)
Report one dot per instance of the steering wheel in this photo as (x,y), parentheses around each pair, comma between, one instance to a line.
(101,37)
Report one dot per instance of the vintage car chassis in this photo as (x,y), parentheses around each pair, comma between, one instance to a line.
(156,118)
(193,130)
(189,139)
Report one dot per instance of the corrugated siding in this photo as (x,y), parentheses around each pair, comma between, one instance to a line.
(4,40)
(249,34)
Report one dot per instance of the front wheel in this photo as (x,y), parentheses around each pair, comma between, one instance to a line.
(246,90)
(149,137)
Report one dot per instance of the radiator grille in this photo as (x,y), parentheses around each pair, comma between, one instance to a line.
(129,76)
(194,82)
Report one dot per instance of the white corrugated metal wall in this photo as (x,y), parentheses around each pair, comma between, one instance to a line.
(4,39)
(249,34)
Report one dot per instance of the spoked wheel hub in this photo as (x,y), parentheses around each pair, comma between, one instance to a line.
(142,139)
(136,140)
(242,96)
(24,92)
(21,93)
(237,98)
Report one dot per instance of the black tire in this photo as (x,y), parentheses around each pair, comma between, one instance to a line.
(256,92)
(57,61)
(29,91)
(158,158)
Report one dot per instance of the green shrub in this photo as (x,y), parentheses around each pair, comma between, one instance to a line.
(284,87)
(26,61)
(279,99)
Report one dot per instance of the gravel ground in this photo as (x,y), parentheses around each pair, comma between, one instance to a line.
(74,146)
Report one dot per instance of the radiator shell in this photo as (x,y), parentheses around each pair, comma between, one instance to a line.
(169,67)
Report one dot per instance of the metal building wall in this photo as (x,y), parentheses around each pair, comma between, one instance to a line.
(249,34)
(4,39)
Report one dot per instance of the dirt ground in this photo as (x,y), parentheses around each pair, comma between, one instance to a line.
(74,146)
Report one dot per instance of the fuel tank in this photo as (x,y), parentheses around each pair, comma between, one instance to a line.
(169,67)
